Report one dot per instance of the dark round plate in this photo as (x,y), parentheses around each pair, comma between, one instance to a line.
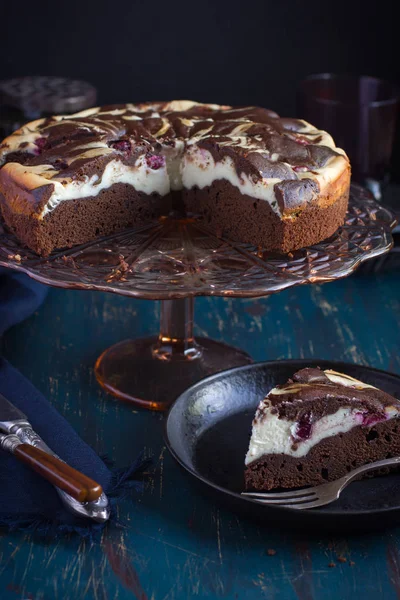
(208,431)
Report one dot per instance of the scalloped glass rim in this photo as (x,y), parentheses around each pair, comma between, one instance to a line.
(182,258)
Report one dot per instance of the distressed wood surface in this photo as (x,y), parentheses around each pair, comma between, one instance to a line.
(178,544)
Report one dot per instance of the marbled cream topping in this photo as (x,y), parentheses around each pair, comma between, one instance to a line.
(295,417)
(163,147)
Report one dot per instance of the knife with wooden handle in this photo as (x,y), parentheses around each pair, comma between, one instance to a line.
(57,472)
(79,493)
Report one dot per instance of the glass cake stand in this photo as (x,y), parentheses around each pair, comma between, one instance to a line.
(174,260)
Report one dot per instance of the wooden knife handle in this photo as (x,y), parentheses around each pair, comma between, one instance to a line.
(58,473)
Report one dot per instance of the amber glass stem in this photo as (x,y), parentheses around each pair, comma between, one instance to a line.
(176,340)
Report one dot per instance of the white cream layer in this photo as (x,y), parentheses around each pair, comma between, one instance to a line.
(199,169)
(140,176)
(271,435)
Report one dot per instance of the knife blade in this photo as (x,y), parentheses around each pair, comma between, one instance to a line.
(9,412)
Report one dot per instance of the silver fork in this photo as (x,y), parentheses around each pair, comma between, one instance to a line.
(319,495)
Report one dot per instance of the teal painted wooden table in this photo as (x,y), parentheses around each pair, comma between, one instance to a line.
(177,543)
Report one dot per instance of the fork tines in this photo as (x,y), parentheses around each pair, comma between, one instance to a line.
(304,498)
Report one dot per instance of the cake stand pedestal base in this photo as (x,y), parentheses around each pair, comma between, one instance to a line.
(153,372)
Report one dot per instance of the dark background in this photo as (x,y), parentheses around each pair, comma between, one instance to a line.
(232,52)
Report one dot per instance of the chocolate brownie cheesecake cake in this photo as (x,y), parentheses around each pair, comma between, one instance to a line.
(251,175)
(316,428)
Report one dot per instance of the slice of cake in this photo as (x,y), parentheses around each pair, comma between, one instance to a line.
(317,427)
(247,173)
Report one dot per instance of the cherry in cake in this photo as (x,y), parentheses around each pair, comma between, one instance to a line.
(316,428)
(254,177)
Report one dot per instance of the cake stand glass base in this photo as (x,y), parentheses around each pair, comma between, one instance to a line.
(153,372)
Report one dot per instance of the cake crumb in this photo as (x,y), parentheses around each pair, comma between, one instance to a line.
(123,265)
(118,274)
(69,260)
(331,565)
(271,552)
(16,257)
(342,559)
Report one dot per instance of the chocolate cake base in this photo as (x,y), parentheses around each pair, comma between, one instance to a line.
(222,207)
(83,220)
(328,460)
(230,213)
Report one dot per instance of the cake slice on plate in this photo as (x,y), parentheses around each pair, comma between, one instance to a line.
(317,427)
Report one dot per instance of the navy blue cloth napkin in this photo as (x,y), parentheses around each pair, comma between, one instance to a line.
(26,500)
